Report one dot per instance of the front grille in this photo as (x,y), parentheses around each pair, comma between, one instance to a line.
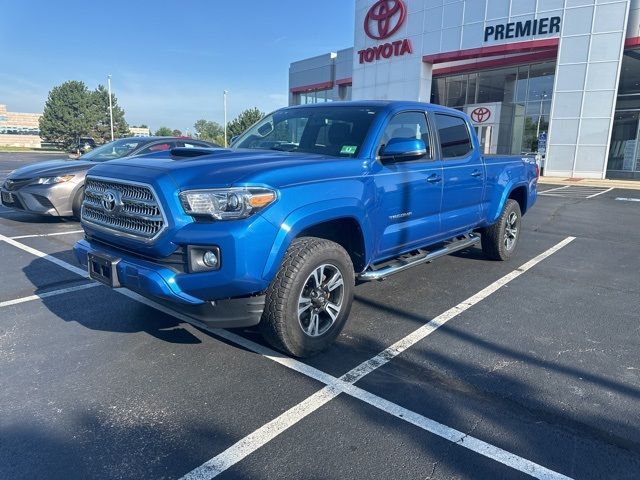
(12,185)
(122,207)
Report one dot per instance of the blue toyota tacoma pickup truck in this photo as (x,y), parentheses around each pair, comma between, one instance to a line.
(276,230)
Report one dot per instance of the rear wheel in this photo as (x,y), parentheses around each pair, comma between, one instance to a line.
(309,301)
(500,240)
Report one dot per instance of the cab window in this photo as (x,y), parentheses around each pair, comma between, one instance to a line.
(453,131)
(407,125)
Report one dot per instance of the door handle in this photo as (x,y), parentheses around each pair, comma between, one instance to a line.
(476,173)
(433,178)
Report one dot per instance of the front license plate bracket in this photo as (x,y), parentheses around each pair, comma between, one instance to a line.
(104,269)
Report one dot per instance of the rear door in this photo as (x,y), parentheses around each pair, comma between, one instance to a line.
(410,191)
(463,174)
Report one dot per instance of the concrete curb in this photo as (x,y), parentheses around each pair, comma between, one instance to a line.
(590,182)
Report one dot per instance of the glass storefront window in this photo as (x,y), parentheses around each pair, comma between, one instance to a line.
(344,92)
(630,74)
(456,90)
(541,78)
(438,89)
(623,154)
(315,96)
(496,85)
(624,151)
(472,89)
(521,84)
(525,93)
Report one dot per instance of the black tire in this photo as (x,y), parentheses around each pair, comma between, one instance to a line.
(76,206)
(282,325)
(500,240)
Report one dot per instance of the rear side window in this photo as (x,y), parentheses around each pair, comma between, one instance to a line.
(454,136)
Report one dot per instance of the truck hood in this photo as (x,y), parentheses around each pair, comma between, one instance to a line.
(221,168)
(50,168)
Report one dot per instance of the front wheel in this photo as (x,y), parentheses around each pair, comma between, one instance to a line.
(500,240)
(76,206)
(308,302)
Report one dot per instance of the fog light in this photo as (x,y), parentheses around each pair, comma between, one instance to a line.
(204,258)
(210,259)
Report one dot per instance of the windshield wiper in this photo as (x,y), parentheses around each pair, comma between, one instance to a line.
(284,148)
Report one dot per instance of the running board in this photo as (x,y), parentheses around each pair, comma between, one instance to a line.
(418,258)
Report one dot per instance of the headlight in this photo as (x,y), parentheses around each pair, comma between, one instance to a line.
(52,180)
(226,203)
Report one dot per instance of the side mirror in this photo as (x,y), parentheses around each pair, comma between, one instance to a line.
(233,139)
(403,149)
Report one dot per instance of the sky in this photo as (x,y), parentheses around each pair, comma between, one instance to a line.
(169,61)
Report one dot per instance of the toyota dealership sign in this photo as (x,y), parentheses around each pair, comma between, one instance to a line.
(484,114)
(480,114)
(382,21)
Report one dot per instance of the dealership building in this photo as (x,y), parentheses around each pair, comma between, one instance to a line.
(555,77)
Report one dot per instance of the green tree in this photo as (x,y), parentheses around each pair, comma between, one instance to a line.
(67,114)
(243,121)
(176,133)
(209,131)
(164,132)
(101,130)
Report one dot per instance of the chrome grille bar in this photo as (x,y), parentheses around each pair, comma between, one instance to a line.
(135,210)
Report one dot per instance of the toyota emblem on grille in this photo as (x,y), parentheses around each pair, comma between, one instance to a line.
(111,202)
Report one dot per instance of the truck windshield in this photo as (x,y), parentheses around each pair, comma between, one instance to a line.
(332,130)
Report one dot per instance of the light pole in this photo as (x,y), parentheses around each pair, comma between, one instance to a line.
(224,104)
(110,106)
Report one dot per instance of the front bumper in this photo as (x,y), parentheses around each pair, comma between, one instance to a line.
(162,284)
(51,200)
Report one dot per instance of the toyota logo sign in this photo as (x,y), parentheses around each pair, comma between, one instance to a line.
(384,18)
(111,202)
(481,114)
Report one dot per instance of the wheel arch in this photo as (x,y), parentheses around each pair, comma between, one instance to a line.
(340,220)
(520,195)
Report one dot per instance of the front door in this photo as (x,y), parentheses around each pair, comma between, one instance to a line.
(408,192)
(463,175)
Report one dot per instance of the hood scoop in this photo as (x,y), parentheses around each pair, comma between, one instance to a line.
(190,152)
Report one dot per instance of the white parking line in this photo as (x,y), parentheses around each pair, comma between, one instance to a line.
(576,191)
(556,188)
(47,234)
(624,199)
(600,193)
(400,346)
(335,386)
(52,293)
(45,256)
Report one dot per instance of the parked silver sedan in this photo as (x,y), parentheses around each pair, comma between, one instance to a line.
(56,187)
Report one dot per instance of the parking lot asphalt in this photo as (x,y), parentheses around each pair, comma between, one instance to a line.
(520,369)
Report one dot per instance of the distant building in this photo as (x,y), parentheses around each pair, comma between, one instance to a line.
(139,131)
(19,129)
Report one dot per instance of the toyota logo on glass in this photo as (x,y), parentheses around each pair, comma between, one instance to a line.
(481,115)
(382,20)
